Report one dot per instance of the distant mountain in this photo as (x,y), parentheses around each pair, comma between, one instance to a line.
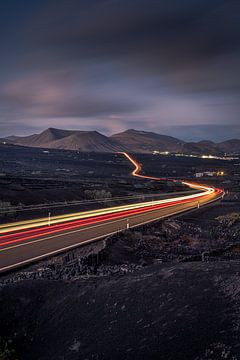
(85,141)
(201,148)
(194,133)
(131,140)
(43,139)
(230,146)
(210,148)
(69,140)
(145,142)
(5,141)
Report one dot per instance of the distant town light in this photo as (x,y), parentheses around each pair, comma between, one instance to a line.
(228,158)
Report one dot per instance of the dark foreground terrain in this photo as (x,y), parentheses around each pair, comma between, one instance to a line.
(168,290)
(170,311)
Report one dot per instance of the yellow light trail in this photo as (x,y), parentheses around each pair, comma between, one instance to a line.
(30,224)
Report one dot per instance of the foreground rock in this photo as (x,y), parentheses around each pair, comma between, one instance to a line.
(163,241)
(185,311)
(142,294)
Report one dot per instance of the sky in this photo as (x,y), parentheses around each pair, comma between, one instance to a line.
(165,66)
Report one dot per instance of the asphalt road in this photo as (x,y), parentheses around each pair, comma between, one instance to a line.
(27,250)
(28,241)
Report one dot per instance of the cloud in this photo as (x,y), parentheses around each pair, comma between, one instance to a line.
(136,62)
(54,94)
(150,32)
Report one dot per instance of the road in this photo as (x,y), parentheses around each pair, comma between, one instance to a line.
(28,241)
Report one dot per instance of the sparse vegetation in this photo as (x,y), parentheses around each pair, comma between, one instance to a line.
(7,351)
(97,194)
(229,219)
(5,206)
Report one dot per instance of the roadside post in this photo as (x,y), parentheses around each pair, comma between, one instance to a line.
(49,218)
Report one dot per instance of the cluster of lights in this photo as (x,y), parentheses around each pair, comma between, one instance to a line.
(229,158)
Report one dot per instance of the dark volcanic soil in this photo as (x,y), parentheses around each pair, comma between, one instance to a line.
(121,303)
(142,294)
(185,311)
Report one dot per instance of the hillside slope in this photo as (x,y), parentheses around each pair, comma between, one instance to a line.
(68,140)
(134,141)
(143,141)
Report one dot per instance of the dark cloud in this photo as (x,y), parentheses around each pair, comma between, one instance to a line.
(140,62)
(194,30)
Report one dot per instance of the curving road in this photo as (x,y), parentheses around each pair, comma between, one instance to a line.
(28,241)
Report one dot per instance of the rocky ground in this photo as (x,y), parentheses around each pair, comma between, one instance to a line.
(164,311)
(205,236)
(167,290)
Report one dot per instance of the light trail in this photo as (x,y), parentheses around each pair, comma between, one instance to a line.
(29,224)
(25,230)
(28,241)
(137,169)
(33,233)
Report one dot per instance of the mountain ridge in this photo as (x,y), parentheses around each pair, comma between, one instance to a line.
(135,141)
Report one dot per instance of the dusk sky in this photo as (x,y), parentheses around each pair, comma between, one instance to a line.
(166,66)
